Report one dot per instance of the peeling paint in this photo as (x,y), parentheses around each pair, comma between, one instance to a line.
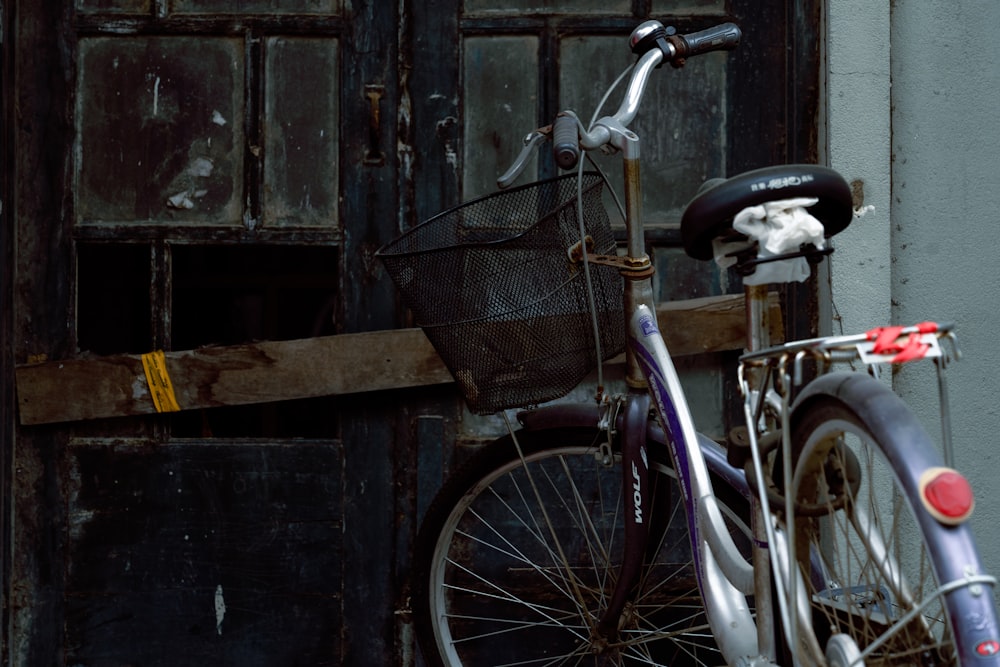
(444,130)
(451,156)
(180,201)
(201,166)
(140,389)
(220,609)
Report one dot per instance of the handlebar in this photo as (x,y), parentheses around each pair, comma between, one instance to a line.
(655,45)
(565,143)
(724,37)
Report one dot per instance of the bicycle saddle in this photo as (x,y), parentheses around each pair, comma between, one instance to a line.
(710,214)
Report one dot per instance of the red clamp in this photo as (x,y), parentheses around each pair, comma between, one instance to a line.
(887,341)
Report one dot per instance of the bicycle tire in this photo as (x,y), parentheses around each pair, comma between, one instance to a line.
(487,585)
(868,549)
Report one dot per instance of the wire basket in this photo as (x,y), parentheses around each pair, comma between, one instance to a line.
(492,285)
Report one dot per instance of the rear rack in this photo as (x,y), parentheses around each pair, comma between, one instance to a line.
(783,367)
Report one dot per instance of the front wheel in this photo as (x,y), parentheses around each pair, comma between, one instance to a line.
(872,557)
(518,556)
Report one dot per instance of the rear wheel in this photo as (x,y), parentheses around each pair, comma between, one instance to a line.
(520,551)
(866,547)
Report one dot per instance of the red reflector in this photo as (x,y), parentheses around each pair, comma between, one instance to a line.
(988,648)
(947,495)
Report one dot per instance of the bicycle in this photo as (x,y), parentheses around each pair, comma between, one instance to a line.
(827,530)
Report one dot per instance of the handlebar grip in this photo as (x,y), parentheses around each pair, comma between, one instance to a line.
(565,141)
(723,37)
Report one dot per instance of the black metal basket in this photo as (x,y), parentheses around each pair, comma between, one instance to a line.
(492,285)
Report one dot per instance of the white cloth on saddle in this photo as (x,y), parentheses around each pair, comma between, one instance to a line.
(777,227)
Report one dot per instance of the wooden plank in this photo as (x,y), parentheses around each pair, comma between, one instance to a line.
(711,324)
(115,385)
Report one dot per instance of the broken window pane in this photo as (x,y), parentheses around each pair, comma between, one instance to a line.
(302,118)
(160,130)
(681,123)
(228,295)
(500,87)
(113,315)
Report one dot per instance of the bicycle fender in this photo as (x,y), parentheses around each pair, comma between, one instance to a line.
(560,415)
(885,414)
(588,415)
(890,420)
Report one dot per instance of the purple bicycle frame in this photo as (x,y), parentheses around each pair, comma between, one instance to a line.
(724,576)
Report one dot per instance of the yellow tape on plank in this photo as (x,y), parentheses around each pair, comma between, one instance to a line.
(160,387)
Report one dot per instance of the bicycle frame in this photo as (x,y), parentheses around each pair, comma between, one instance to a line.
(724,576)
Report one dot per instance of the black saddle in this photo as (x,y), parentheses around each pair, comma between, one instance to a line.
(710,214)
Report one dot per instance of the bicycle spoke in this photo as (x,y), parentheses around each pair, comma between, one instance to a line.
(514,552)
(508,591)
(553,532)
(503,595)
(877,584)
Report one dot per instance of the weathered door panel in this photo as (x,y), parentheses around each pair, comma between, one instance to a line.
(159,125)
(181,185)
(301,145)
(203,554)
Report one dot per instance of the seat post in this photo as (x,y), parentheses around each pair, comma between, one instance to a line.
(758,320)
(758,337)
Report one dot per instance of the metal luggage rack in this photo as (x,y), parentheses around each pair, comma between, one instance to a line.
(784,367)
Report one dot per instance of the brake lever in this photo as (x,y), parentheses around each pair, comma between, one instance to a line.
(531,143)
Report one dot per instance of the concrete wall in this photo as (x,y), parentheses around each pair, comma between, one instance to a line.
(913,111)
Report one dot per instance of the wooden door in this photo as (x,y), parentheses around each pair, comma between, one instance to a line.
(191,173)
(204,173)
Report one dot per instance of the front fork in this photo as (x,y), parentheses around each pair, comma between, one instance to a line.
(638,274)
(637,498)
(725,605)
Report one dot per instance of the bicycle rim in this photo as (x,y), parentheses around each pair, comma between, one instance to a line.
(522,559)
(864,556)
